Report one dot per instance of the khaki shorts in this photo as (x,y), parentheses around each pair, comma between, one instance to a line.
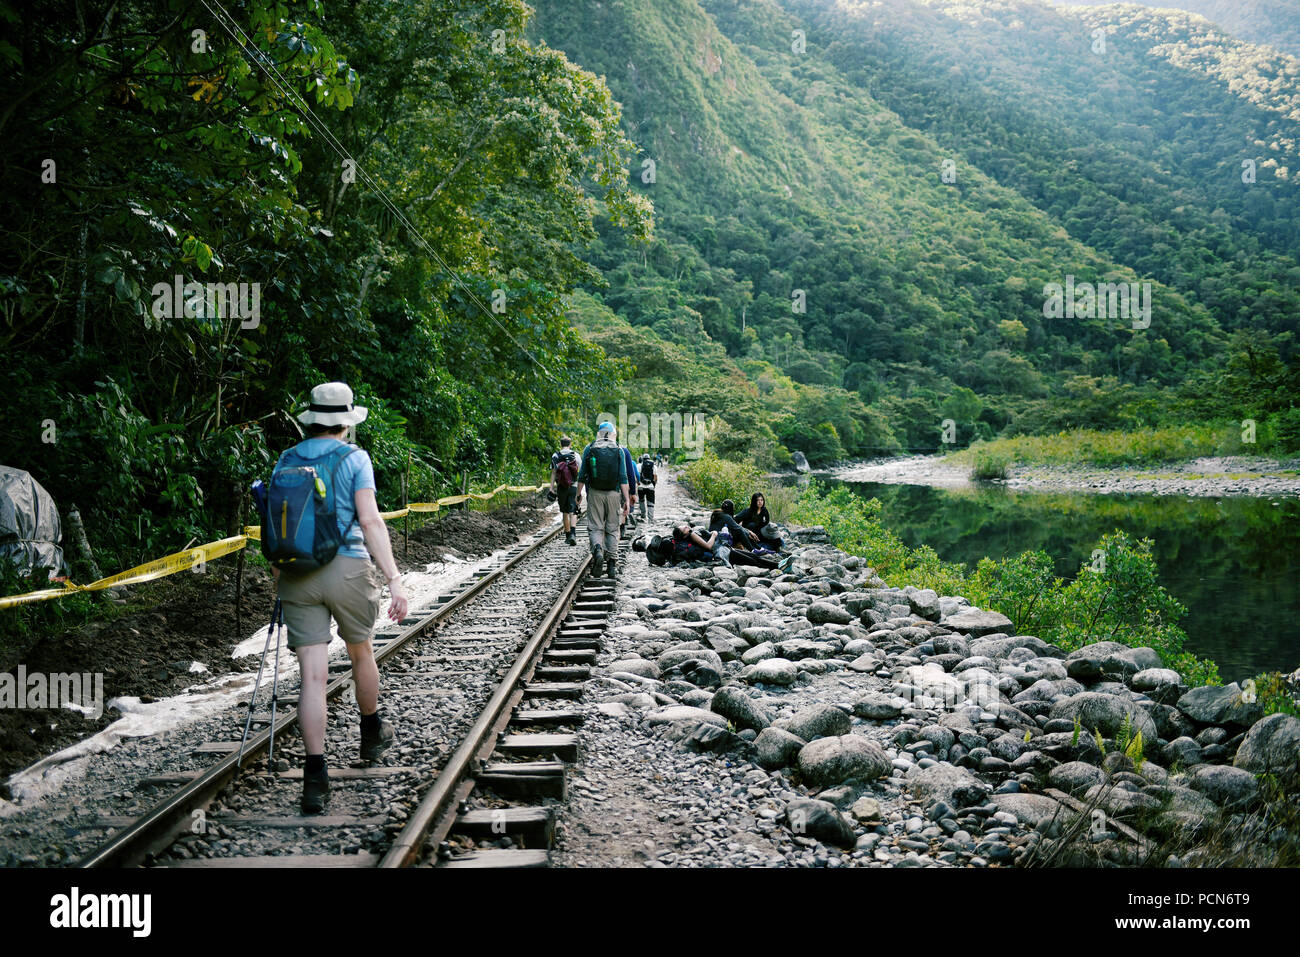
(347,589)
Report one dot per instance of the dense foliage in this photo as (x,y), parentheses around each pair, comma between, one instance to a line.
(406,183)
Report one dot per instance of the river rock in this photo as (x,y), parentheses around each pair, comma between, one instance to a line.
(866,810)
(1105,713)
(1034,810)
(976,622)
(760,652)
(636,666)
(1159,684)
(875,706)
(758,634)
(801,465)
(1220,705)
(1225,785)
(944,782)
(820,820)
(824,613)
(674,657)
(773,671)
(924,603)
(842,758)
(674,713)
(739,708)
(1075,777)
(775,748)
(1272,746)
(819,721)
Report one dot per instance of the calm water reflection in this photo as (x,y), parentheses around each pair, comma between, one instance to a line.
(1234,562)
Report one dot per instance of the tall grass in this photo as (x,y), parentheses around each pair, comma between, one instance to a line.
(1087,446)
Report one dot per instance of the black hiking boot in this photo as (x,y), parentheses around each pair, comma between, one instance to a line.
(376,743)
(597,559)
(568,537)
(611,568)
(315,792)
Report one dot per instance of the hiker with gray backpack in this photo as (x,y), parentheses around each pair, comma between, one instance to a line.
(604,474)
(320,529)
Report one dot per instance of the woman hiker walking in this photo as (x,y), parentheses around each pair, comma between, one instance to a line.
(347,589)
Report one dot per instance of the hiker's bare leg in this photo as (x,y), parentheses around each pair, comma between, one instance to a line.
(365,676)
(313,660)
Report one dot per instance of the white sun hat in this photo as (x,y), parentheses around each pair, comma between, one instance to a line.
(331,404)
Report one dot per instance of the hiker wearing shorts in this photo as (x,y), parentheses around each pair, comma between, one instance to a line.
(605,472)
(564,474)
(346,589)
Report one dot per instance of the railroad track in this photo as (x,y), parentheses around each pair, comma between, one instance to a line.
(474,685)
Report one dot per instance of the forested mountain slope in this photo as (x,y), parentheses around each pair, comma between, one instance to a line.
(1274,23)
(914,173)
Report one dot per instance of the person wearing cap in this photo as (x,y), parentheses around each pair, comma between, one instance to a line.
(346,589)
(603,475)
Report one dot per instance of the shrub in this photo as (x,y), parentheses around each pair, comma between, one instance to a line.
(990,465)
(712,479)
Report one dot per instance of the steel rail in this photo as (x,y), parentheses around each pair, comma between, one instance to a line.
(430,822)
(157,827)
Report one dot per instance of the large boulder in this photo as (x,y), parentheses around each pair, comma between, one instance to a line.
(824,613)
(1158,684)
(1105,713)
(1035,810)
(739,708)
(925,603)
(819,721)
(1221,705)
(842,758)
(800,462)
(976,622)
(1075,777)
(876,706)
(1272,746)
(772,671)
(955,786)
(775,748)
(675,657)
(819,819)
(1224,785)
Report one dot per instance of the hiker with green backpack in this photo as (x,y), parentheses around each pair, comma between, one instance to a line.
(320,529)
(604,473)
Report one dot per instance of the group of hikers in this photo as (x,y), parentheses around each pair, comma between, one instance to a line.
(330,552)
(614,486)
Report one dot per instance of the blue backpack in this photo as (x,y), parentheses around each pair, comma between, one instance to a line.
(300,532)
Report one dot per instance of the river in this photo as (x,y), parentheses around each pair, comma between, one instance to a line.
(1234,562)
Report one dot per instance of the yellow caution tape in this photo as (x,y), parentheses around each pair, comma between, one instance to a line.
(200,555)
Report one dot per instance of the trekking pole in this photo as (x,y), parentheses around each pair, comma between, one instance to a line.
(275,613)
(275,689)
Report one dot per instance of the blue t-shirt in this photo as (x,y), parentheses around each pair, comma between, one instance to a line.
(354,472)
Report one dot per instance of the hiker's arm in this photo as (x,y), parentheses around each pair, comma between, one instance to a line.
(626,499)
(380,548)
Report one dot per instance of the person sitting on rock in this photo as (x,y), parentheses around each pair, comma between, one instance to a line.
(721,519)
(756,518)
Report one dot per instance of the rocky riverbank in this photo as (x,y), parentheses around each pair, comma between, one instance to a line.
(1212,477)
(818,718)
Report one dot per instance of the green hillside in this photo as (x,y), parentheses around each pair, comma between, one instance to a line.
(801,145)
(1275,23)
